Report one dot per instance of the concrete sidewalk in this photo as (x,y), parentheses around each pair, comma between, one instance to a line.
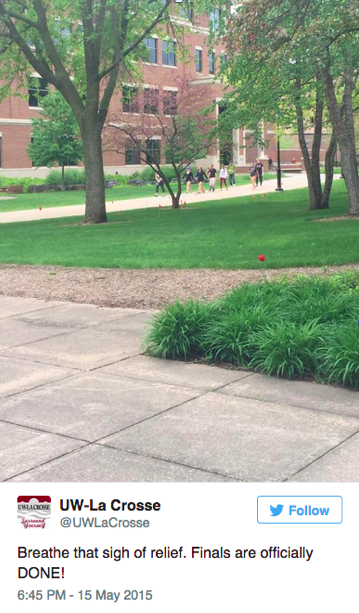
(78,402)
(289,182)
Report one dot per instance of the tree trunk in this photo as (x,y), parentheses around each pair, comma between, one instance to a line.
(342,131)
(312,167)
(95,211)
(329,172)
(63,186)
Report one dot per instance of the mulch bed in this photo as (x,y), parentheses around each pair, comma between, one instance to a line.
(141,289)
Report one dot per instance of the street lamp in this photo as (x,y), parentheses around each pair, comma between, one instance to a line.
(279,187)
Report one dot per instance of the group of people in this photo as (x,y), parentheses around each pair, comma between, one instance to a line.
(211,175)
(225,172)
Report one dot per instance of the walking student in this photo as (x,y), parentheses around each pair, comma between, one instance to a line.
(259,169)
(200,179)
(232,174)
(223,174)
(189,180)
(212,175)
(159,184)
(253,175)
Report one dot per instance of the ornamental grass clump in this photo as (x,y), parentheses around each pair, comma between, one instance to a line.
(226,340)
(338,356)
(177,331)
(286,349)
(297,329)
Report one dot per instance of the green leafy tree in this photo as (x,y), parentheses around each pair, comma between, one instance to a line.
(83,48)
(300,56)
(56,135)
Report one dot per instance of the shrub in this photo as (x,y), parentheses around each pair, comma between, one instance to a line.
(302,328)
(73,176)
(226,339)
(147,174)
(338,355)
(177,332)
(24,181)
(286,349)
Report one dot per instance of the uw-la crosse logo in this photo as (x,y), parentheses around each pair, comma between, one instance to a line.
(34,511)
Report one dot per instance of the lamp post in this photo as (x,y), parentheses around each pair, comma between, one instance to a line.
(279,187)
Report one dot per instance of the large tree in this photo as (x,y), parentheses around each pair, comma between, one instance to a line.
(309,48)
(82,48)
(55,135)
(173,119)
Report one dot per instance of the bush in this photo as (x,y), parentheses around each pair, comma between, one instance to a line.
(72,177)
(338,356)
(177,332)
(286,349)
(307,327)
(24,181)
(147,174)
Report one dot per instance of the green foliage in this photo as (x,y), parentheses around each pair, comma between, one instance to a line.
(73,176)
(338,357)
(285,349)
(294,329)
(26,182)
(55,136)
(148,174)
(177,331)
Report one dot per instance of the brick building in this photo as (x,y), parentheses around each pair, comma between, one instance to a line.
(161,70)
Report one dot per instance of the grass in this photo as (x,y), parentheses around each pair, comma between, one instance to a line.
(219,234)
(22,202)
(259,327)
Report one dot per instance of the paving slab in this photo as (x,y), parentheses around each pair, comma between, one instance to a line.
(299,394)
(98,463)
(197,376)
(14,332)
(240,438)
(22,449)
(10,306)
(17,375)
(339,465)
(133,323)
(83,349)
(77,315)
(91,406)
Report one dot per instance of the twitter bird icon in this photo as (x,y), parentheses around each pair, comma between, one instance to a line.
(276,510)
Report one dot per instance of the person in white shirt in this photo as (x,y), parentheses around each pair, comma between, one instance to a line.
(223,174)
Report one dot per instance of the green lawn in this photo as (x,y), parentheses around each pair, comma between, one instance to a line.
(22,202)
(218,234)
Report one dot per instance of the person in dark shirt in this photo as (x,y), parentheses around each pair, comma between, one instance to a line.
(259,169)
(212,174)
(253,175)
(189,179)
(200,179)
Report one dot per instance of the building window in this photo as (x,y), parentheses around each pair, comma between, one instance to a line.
(153,149)
(187,12)
(151,44)
(150,101)
(212,62)
(132,153)
(199,60)
(130,99)
(214,18)
(223,58)
(169,102)
(38,88)
(169,53)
